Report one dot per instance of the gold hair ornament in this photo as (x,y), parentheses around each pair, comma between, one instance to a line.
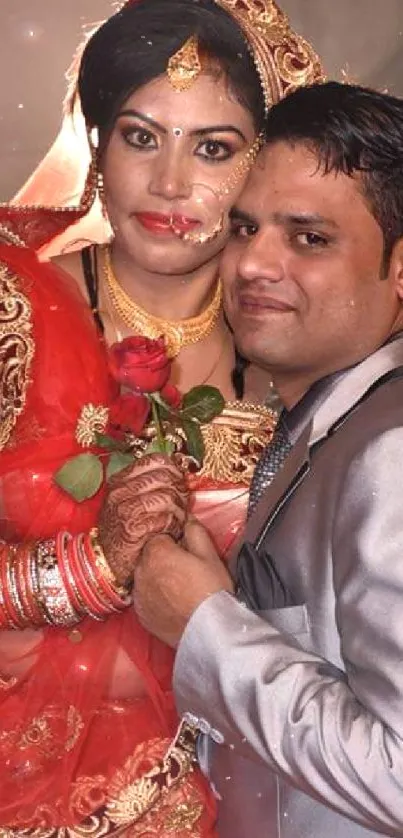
(284,60)
(177,334)
(184,66)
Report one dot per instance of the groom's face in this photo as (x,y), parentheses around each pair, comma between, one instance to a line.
(303,280)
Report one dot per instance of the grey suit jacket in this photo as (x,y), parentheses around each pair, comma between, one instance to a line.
(304,705)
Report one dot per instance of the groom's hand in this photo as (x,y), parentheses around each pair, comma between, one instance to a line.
(171,581)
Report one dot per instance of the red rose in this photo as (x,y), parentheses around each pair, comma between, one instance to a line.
(171,395)
(140,364)
(128,414)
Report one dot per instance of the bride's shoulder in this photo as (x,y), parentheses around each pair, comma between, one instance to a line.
(71,264)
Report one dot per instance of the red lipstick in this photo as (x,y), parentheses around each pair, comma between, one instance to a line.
(159,223)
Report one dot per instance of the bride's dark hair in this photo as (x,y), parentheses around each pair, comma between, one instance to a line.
(134,46)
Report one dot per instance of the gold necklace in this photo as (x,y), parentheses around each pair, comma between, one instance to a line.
(177,334)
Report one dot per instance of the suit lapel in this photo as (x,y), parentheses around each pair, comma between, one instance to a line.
(353,386)
(343,397)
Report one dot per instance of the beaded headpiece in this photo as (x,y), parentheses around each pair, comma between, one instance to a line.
(284,59)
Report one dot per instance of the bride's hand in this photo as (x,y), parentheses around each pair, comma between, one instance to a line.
(145,499)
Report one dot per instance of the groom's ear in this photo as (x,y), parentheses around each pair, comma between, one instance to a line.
(395,269)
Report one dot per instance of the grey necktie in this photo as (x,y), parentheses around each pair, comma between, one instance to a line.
(271,460)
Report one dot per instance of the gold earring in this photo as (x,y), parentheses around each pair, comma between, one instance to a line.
(101,194)
(99,178)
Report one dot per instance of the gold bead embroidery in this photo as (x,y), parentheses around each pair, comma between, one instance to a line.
(93,419)
(233,443)
(16,351)
(284,60)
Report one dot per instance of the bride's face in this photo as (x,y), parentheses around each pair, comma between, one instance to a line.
(172,165)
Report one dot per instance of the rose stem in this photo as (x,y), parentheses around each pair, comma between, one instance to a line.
(158,426)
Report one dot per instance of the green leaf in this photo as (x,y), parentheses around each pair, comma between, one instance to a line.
(81,477)
(153,447)
(169,447)
(202,403)
(166,447)
(118,461)
(108,442)
(195,444)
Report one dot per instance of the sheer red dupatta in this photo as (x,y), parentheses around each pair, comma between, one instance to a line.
(70,718)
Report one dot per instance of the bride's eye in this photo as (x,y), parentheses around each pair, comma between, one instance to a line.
(140,138)
(214,151)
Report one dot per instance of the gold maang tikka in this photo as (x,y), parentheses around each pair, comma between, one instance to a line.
(184,66)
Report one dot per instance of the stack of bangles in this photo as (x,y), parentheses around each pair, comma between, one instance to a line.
(57,582)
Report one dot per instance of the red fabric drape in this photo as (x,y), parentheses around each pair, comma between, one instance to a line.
(75,705)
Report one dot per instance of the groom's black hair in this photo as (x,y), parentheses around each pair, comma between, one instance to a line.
(353,130)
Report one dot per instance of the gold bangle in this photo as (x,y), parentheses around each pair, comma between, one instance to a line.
(122,591)
(103,601)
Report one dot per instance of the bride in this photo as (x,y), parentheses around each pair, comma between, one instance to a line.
(173,95)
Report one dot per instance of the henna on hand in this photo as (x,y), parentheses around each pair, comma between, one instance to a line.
(143,500)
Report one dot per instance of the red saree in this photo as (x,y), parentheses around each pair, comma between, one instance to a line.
(84,711)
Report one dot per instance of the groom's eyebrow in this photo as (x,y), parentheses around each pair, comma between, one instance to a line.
(237,214)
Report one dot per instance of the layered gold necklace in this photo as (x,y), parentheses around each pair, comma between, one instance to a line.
(177,334)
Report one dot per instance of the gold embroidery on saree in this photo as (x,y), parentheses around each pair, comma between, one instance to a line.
(233,442)
(52,733)
(130,796)
(7,682)
(93,419)
(184,816)
(152,794)
(16,351)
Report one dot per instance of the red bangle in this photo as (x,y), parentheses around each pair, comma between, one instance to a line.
(5,619)
(24,585)
(10,593)
(63,541)
(92,605)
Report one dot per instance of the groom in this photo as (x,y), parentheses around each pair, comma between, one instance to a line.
(300,696)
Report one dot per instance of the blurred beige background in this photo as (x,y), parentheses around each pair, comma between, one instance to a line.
(362,38)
